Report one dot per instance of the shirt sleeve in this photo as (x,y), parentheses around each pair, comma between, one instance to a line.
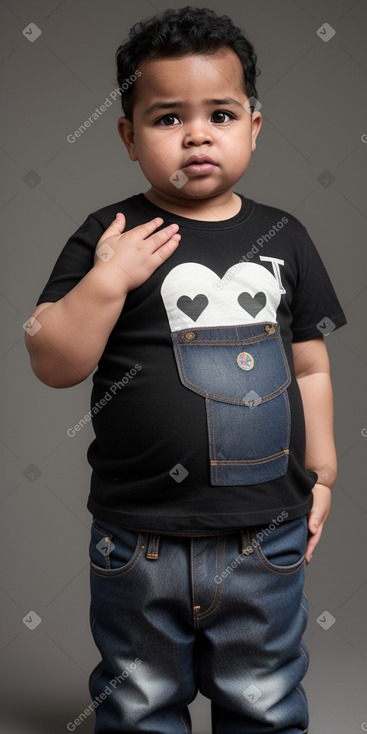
(74,261)
(315,306)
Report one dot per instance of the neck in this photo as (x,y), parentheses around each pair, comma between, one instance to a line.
(215,208)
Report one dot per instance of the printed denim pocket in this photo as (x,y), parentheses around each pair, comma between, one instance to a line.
(243,374)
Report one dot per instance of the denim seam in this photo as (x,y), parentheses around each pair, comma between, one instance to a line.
(301,605)
(211,439)
(176,335)
(273,569)
(115,573)
(245,341)
(305,658)
(263,460)
(198,617)
(215,601)
(225,398)
(303,696)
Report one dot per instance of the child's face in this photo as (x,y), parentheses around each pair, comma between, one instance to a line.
(191,106)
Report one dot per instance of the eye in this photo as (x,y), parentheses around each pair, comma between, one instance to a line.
(221,114)
(167,120)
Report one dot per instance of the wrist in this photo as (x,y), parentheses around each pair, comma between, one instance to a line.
(108,282)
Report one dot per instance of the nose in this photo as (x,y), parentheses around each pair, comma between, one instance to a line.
(198,134)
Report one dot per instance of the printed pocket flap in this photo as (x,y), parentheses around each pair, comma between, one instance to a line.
(242,365)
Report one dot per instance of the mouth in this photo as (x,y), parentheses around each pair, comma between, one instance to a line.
(199,164)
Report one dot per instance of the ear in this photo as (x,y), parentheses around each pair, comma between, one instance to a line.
(126,132)
(256,122)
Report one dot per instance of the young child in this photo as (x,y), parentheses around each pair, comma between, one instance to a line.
(204,313)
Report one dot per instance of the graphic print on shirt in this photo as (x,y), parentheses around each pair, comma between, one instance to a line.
(247,293)
(228,349)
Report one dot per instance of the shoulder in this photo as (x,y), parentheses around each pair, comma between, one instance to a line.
(274,217)
(291,235)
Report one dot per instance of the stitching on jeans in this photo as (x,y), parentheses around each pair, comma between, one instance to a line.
(212,443)
(214,604)
(263,460)
(301,694)
(121,573)
(235,401)
(258,337)
(305,657)
(267,565)
(192,583)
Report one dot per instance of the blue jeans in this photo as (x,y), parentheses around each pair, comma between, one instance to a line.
(243,373)
(223,614)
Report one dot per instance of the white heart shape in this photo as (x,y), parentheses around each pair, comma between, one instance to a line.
(223,309)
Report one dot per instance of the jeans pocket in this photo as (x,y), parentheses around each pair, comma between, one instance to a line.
(281,549)
(112,549)
(243,374)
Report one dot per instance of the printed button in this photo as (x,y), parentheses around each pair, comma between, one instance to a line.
(270,328)
(245,361)
(190,335)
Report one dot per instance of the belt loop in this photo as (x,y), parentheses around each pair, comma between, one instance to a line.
(246,548)
(153,547)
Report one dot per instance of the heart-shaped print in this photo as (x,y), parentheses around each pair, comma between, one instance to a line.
(252,304)
(193,293)
(193,307)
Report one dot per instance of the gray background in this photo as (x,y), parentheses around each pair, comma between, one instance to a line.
(313,96)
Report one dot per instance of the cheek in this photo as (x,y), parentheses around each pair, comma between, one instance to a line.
(155,152)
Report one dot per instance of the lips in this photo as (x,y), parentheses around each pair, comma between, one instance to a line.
(199,165)
(200,160)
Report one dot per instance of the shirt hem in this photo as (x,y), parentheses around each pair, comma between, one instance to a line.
(191,525)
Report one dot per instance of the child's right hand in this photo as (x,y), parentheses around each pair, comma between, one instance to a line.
(130,258)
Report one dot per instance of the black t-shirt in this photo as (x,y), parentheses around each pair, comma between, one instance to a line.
(152,458)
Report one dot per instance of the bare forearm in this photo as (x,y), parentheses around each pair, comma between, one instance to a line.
(317,398)
(74,331)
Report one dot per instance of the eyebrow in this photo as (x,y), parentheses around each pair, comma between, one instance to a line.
(170,105)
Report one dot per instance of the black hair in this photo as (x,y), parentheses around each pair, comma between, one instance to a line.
(179,32)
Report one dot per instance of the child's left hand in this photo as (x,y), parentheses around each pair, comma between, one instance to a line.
(317,517)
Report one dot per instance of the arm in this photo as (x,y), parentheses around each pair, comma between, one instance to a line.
(312,369)
(74,330)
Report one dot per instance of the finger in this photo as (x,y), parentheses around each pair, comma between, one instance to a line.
(116,227)
(162,237)
(316,518)
(166,250)
(312,543)
(147,229)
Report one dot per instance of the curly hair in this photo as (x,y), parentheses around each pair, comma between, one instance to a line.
(179,32)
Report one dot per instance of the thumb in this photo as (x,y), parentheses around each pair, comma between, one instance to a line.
(314,523)
(116,227)
(316,519)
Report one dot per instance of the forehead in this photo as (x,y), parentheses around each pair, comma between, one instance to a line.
(192,77)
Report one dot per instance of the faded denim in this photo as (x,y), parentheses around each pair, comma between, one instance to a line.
(223,614)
